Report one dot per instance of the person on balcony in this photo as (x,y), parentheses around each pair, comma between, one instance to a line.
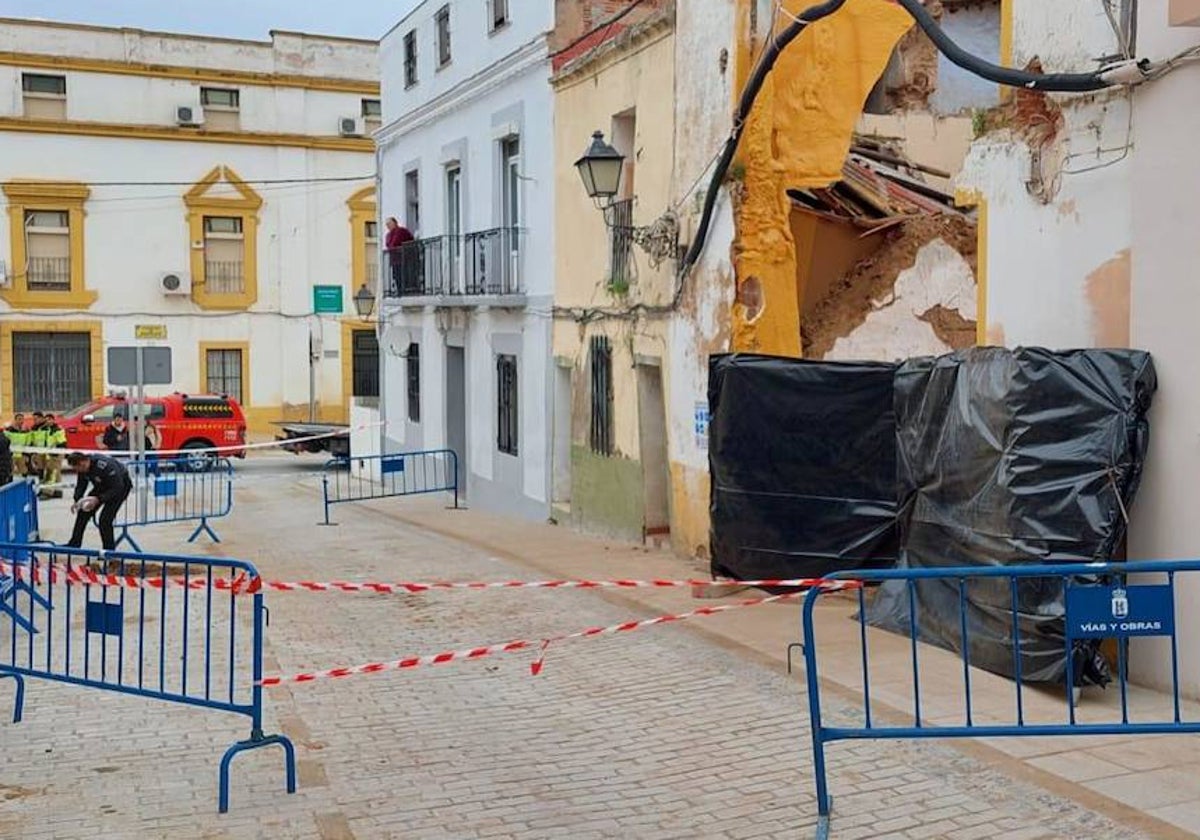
(395,240)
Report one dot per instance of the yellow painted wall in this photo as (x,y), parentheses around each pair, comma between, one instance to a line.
(798,136)
(639,77)
(585,102)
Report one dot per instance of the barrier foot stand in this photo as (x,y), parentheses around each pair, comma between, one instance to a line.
(204,528)
(19,706)
(256,741)
(823,822)
(126,538)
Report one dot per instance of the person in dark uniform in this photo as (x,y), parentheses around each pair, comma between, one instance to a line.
(111,486)
(6,461)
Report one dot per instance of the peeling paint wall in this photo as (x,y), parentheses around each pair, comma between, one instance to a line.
(1055,173)
(912,320)
(797,136)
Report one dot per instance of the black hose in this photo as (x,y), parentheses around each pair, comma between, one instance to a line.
(1058,82)
(749,94)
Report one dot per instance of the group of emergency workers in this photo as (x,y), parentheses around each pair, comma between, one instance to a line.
(42,433)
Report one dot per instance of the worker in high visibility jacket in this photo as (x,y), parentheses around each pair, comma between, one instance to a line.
(37,439)
(51,436)
(18,436)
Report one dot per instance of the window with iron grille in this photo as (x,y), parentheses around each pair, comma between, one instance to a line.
(365,364)
(224,372)
(600,364)
(224,255)
(414,382)
(507,416)
(52,371)
(442,24)
(620,265)
(48,250)
(410,59)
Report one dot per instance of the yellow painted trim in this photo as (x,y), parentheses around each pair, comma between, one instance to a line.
(362,210)
(244,346)
(1007,28)
(61,196)
(95,329)
(201,204)
(349,327)
(190,135)
(975,198)
(192,74)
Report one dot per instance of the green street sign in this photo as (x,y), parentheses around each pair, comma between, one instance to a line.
(327,299)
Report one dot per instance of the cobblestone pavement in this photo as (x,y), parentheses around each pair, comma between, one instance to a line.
(660,734)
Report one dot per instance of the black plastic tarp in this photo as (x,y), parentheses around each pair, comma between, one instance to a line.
(803,463)
(1007,458)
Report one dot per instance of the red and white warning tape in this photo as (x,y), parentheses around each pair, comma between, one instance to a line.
(80,575)
(528,644)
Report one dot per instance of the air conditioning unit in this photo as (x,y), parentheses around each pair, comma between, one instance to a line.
(174,283)
(189,115)
(351,127)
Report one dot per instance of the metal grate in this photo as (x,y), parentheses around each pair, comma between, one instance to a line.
(224,278)
(224,372)
(620,267)
(414,382)
(50,274)
(602,395)
(51,371)
(507,415)
(365,364)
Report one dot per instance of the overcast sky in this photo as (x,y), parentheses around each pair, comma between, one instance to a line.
(227,18)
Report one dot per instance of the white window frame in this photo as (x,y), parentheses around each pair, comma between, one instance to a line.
(38,94)
(232,109)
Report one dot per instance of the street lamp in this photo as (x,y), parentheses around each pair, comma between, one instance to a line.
(600,168)
(364,302)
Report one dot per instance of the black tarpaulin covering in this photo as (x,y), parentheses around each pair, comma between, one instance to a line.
(1007,458)
(803,464)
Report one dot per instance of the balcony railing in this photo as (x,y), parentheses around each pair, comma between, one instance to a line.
(49,274)
(224,277)
(484,263)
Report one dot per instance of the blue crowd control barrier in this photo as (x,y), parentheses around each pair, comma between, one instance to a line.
(18,524)
(386,476)
(1100,602)
(200,645)
(172,490)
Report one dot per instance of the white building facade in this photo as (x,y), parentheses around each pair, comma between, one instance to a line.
(466,164)
(192,192)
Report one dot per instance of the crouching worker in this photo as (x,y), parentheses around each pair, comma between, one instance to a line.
(110,487)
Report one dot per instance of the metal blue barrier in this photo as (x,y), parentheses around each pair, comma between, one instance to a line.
(1100,603)
(200,646)
(18,524)
(385,476)
(171,490)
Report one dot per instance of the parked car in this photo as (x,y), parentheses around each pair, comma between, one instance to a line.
(195,424)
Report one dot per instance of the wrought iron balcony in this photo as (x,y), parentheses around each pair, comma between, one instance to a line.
(224,277)
(486,263)
(49,274)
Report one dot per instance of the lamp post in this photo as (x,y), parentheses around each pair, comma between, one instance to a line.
(364,302)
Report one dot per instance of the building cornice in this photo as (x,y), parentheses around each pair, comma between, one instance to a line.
(494,76)
(627,43)
(362,145)
(38,61)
